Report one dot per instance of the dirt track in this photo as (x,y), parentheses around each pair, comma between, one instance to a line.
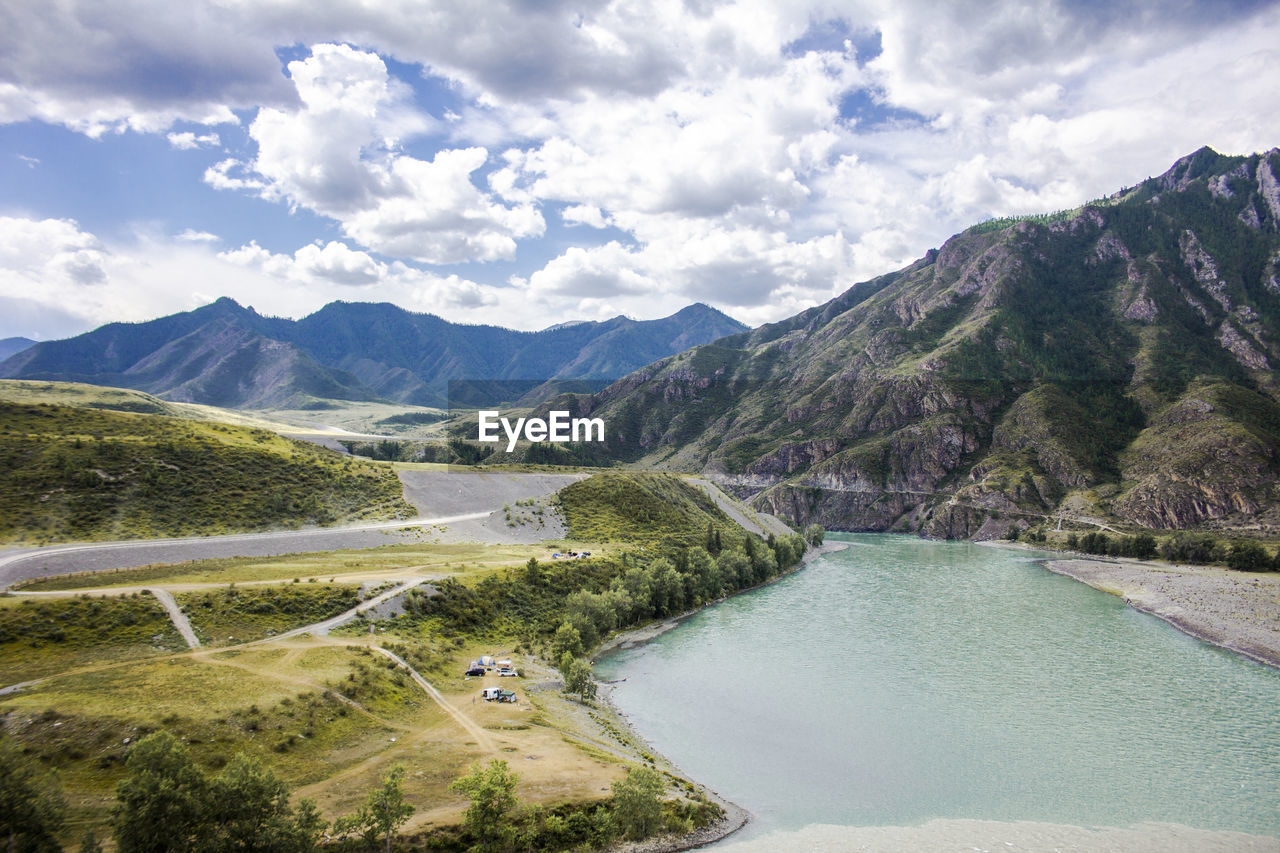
(176,616)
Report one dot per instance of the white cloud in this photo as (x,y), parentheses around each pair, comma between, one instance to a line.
(321,268)
(48,253)
(584,214)
(339,155)
(220,177)
(190,235)
(187,140)
(57,280)
(133,65)
(703,131)
(333,262)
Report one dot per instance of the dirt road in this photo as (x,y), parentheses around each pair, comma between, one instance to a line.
(176,616)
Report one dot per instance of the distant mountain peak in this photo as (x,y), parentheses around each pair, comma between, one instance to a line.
(351,350)
(567,324)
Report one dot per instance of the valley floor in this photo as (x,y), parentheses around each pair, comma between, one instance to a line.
(471,525)
(1239,611)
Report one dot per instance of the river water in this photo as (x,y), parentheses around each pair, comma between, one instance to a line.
(902,681)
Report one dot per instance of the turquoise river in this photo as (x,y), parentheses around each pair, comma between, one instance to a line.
(903,681)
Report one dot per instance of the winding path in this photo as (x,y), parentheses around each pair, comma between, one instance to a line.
(322,628)
(482,737)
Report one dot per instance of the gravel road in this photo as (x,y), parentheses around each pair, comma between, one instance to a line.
(452,507)
(176,615)
(24,564)
(756,522)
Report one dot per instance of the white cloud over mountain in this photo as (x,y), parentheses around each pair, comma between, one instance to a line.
(633,157)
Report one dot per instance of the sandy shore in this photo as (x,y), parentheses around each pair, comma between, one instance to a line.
(1239,611)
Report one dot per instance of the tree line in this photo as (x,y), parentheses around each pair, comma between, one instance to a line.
(1245,555)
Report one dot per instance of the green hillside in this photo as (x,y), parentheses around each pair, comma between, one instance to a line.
(639,507)
(82,473)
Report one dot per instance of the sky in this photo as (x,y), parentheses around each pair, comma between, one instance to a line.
(531,162)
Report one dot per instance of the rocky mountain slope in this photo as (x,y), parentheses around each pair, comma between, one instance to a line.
(227,355)
(1114,362)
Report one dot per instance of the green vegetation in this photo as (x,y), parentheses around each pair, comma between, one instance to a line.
(412,419)
(28,392)
(77,473)
(658,509)
(241,614)
(1180,547)
(492,792)
(637,804)
(166,803)
(1141,547)
(455,451)
(42,636)
(577,675)
(1248,556)
(383,812)
(242,725)
(598,595)
(32,809)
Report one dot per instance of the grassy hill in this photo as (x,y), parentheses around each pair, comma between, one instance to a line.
(637,507)
(90,471)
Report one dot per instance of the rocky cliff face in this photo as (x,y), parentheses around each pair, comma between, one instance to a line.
(1118,356)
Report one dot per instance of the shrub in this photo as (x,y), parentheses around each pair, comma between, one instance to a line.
(1248,556)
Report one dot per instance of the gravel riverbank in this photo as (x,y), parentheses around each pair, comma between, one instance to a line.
(1239,611)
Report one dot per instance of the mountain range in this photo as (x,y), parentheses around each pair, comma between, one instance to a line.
(1113,362)
(9,346)
(224,354)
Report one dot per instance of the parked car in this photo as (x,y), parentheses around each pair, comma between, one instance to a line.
(476,670)
(507,671)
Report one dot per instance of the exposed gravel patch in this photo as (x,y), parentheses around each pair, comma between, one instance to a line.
(756,522)
(446,495)
(435,493)
(1239,611)
(176,616)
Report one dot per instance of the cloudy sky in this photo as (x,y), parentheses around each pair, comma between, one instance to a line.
(527,162)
